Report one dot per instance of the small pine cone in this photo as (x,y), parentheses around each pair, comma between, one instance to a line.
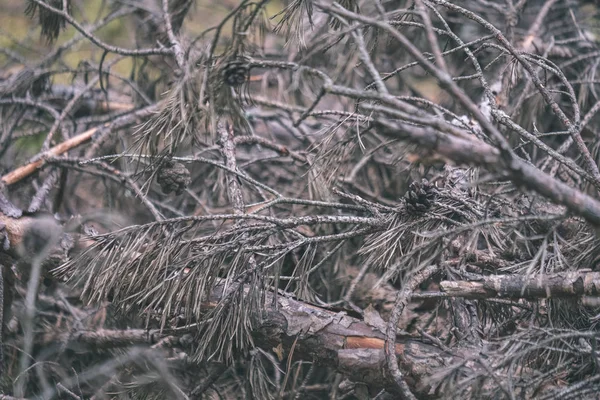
(173,177)
(420,196)
(235,73)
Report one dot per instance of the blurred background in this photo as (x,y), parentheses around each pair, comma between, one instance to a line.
(16,26)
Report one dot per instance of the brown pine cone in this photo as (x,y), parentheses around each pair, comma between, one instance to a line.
(420,196)
(173,177)
(235,72)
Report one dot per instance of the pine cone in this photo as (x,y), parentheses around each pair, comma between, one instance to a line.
(235,73)
(173,177)
(420,196)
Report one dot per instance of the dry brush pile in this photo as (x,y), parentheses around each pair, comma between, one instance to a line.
(353,199)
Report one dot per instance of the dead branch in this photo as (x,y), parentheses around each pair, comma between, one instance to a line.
(563,284)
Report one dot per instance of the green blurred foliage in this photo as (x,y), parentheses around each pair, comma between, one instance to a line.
(16,28)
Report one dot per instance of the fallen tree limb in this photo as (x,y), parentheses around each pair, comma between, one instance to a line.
(347,344)
(336,340)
